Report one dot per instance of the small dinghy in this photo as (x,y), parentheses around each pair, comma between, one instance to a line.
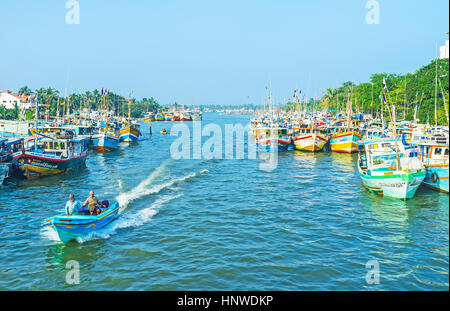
(76,226)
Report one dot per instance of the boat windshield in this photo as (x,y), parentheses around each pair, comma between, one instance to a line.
(385,162)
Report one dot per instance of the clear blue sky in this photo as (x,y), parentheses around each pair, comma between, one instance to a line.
(213,52)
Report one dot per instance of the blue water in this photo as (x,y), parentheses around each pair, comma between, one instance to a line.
(224,225)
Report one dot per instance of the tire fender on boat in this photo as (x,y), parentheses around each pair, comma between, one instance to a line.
(434,177)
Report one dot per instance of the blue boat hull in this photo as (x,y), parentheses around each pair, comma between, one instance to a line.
(437,178)
(104,143)
(78,226)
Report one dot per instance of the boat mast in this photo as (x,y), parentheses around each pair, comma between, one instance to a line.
(404,104)
(349,110)
(393,121)
(371,103)
(382,115)
(35,124)
(436,92)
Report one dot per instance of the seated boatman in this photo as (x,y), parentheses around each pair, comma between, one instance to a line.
(92,202)
(72,206)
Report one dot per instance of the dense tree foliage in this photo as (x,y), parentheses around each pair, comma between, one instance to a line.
(53,104)
(405,92)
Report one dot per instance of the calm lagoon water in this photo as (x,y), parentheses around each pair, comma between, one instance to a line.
(224,225)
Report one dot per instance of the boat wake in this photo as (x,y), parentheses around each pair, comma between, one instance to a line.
(142,189)
(141,217)
(130,220)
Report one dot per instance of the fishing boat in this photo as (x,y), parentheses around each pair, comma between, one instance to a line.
(81,131)
(168,117)
(344,140)
(51,130)
(387,168)
(49,155)
(273,139)
(434,155)
(129,133)
(10,149)
(106,139)
(149,117)
(77,226)
(176,116)
(184,116)
(159,117)
(309,139)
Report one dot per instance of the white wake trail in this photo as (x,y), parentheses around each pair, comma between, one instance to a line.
(139,217)
(142,190)
(131,220)
(125,198)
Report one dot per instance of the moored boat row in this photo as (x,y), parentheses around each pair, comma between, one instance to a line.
(195,115)
(395,157)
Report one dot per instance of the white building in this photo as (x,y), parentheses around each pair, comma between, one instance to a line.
(10,99)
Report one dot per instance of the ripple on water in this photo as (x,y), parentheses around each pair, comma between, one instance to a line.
(224,225)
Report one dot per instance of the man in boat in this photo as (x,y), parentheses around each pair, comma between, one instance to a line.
(92,202)
(72,206)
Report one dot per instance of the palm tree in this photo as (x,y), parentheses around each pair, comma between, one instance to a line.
(50,95)
(328,96)
(25,90)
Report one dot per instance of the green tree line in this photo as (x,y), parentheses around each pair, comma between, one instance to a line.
(405,92)
(53,104)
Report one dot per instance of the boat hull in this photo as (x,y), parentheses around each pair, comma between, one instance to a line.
(345,142)
(105,143)
(78,226)
(398,185)
(39,164)
(312,142)
(272,145)
(437,177)
(129,135)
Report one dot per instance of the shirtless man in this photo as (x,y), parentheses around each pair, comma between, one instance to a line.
(92,202)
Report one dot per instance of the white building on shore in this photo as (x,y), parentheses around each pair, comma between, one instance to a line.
(10,100)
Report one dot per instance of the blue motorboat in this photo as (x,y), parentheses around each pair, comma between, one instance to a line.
(77,226)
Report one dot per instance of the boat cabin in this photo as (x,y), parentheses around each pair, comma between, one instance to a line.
(62,148)
(108,130)
(308,131)
(371,133)
(378,156)
(86,131)
(8,147)
(262,133)
(431,154)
